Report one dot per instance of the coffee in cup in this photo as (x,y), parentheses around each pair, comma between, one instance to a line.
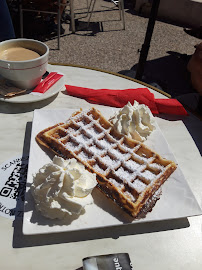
(18,54)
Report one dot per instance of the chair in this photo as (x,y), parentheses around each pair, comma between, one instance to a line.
(41,6)
(72,14)
(119,3)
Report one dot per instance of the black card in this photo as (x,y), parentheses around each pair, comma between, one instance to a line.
(119,261)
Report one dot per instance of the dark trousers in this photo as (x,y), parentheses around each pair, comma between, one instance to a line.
(6,25)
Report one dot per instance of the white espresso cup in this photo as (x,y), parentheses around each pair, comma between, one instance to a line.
(25,74)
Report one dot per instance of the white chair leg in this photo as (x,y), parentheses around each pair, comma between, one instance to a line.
(120,4)
(92,2)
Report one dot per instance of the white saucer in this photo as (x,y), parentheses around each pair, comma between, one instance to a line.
(29,98)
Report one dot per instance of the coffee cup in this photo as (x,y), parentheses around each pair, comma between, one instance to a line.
(23,61)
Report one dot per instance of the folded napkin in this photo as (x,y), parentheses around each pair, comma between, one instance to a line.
(119,98)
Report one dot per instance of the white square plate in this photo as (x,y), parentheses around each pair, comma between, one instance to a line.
(176,201)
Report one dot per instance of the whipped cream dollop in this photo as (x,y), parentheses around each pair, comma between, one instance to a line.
(62,188)
(136,121)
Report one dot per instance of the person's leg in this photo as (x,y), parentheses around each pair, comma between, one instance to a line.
(53,26)
(6,25)
(62,8)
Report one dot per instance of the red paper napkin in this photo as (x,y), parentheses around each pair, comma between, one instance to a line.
(119,98)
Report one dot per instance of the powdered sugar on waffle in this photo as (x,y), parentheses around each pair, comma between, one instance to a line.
(96,140)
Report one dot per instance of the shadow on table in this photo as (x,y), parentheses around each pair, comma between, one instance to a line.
(20,240)
(13,108)
(28,132)
(169,73)
(193,125)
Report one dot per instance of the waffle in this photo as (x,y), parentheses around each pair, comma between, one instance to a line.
(127,171)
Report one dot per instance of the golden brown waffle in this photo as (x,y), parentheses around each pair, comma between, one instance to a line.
(127,171)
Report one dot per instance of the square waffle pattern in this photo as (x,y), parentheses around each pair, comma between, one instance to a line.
(127,171)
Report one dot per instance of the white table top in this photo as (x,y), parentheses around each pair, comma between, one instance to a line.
(174,244)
